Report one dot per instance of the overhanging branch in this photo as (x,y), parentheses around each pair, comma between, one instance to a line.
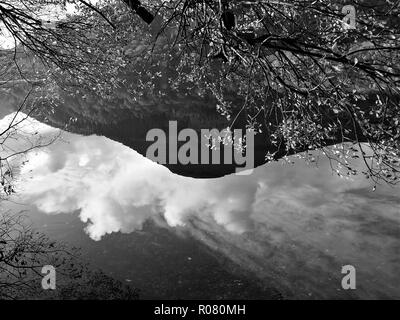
(141,11)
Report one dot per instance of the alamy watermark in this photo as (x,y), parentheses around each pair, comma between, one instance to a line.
(349,20)
(49,280)
(235,147)
(349,280)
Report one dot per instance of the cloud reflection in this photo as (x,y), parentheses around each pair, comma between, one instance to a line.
(274,222)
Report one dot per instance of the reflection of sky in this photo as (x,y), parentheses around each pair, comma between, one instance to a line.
(292,225)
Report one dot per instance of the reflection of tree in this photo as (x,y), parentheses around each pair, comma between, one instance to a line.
(24,252)
(16,141)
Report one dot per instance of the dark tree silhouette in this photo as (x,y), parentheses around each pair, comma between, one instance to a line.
(296,73)
(141,11)
(23,254)
(289,69)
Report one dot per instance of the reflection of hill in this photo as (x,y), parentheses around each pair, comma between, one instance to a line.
(128,122)
(127,118)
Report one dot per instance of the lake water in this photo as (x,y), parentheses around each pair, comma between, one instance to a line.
(286,230)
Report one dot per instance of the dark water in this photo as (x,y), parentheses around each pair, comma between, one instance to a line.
(160,262)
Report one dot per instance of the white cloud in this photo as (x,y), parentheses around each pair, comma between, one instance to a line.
(116,189)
